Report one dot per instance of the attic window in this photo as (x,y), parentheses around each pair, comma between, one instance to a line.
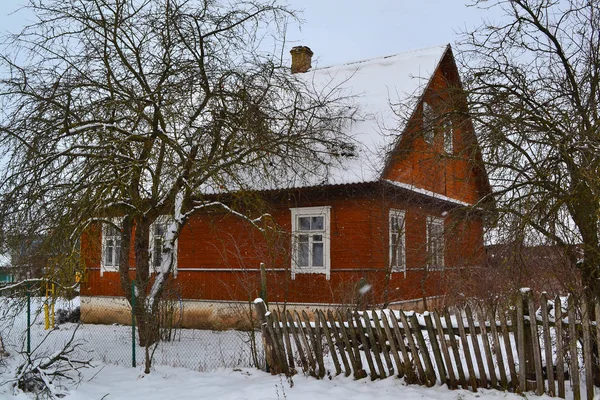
(448,131)
(428,122)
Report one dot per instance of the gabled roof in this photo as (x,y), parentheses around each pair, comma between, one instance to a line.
(375,85)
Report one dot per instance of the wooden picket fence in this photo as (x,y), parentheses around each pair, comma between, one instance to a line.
(472,348)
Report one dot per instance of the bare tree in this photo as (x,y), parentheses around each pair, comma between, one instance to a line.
(533,89)
(143,109)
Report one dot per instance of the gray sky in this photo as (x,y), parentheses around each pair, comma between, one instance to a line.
(341,31)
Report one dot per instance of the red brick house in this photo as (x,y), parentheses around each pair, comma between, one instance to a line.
(387,225)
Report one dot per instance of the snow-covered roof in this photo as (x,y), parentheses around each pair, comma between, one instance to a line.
(375,85)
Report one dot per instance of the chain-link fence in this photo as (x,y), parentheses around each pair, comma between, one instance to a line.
(38,325)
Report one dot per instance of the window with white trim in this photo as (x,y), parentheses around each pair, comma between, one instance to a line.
(435,243)
(310,240)
(111,247)
(448,131)
(158,250)
(397,241)
(428,122)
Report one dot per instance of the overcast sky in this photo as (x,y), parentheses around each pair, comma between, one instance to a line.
(341,31)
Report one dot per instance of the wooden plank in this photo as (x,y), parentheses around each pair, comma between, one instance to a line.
(430,371)
(315,344)
(319,344)
(373,345)
(286,338)
(560,358)
(383,340)
(514,378)
(497,348)
(356,364)
(344,335)
(476,348)
(294,329)
(392,341)
(408,365)
(448,361)
(574,368)
(587,350)
(279,351)
(521,346)
(435,347)
(358,373)
(455,350)
(466,350)
(280,341)
(332,349)
(365,343)
(547,344)
(267,339)
(535,343)
(309,351)
(416,359)
(485,342)
(339,343)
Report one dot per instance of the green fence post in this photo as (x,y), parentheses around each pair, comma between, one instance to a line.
(28,320)
(133,324)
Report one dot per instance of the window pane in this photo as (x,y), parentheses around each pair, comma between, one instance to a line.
(317,238)
(117,250)
(159,229)
(302,254)
(317,256)
(157,250)
(316,223)
(394,260)
(304,223)
(428,122)
(108,252)
(303,238)
(448,136)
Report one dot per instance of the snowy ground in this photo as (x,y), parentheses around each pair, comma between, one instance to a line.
(185,374)
(111,382)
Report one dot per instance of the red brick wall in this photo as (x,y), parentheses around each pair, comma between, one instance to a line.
(359,249)
(426,165)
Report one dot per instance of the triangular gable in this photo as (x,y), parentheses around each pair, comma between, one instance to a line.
(415,163)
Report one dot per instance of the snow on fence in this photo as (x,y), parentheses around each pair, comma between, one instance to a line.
(470,348)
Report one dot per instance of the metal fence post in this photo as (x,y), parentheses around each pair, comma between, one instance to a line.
(28,319)
(133,324)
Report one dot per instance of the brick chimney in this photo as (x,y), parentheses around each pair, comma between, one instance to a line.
(301,57)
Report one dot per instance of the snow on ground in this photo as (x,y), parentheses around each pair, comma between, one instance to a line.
(110,382)
(178,365)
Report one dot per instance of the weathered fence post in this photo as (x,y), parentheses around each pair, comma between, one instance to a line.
(270,356)
(527,375)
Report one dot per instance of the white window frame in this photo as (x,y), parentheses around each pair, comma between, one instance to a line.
(448,129)
(326,232)
(435,254)
(104,266)
(428,115)
(165,220)
(400,256)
